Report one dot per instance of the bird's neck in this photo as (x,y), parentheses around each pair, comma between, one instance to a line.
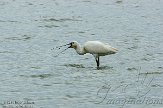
(80,50)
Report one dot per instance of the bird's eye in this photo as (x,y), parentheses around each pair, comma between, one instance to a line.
(72,42)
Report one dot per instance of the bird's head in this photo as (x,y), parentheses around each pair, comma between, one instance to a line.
(73,44)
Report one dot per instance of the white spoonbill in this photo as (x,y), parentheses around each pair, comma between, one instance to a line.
(96,48)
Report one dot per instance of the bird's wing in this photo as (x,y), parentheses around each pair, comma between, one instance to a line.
(110,48)
(95,47)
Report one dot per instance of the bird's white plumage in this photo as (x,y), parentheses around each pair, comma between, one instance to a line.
(96,47)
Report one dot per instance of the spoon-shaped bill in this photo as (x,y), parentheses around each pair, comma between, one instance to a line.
(63,45)
(59,47)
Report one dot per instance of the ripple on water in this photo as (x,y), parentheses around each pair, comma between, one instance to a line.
(156,85)
(70,96)
(81,66)
(50,26)
(105,68)
(86,1)
(133,47)
(160,67)
(145,59)
(46,85)
(41,76)
(131,69)
(61,19)
(36,67)
(74,65)
(119,1)
(148,73)
(6,52)
(24,38)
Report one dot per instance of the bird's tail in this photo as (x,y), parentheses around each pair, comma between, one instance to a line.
(114,50)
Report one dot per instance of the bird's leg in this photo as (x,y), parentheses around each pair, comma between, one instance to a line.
(98,62)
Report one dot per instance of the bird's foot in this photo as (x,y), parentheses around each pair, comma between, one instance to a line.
(98,68)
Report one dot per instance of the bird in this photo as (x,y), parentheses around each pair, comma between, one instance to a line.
(96,48)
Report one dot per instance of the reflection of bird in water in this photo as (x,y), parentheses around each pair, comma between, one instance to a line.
(95,48)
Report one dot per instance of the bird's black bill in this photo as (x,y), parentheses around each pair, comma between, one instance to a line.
(63,45)
(59,47)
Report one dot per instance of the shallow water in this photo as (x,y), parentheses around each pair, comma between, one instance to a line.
(30,70)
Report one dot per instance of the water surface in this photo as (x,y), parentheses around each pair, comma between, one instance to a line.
(29,70)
